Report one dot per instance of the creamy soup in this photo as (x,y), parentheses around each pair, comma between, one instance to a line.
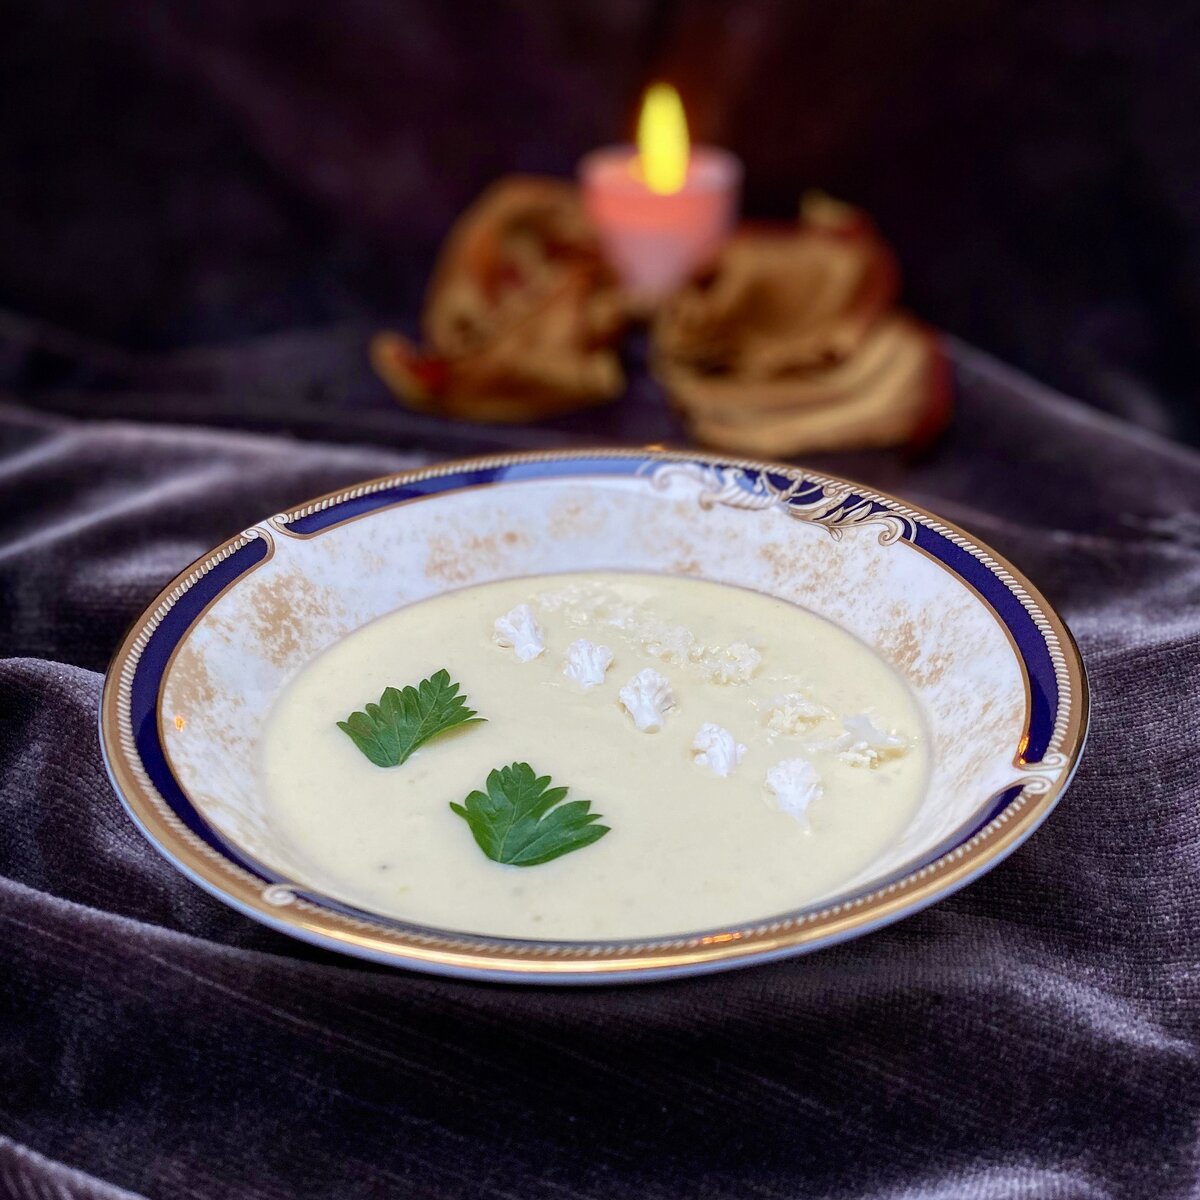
(747,757)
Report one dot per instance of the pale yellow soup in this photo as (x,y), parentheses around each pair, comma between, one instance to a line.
(688,849)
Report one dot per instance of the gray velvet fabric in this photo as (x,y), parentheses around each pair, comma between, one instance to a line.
(1036,1035)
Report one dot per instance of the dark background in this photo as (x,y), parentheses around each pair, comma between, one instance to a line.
(214,171)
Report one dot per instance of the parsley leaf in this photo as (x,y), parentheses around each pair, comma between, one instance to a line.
(388,732)
(515,821)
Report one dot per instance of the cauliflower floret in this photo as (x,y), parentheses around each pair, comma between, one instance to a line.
(647,698)
(519,629)
(717,749)
(795,784)
(587,663)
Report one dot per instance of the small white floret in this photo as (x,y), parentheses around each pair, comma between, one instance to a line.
(587,663)
(520,630)
(647,698)
(795,784)
(717,749)
(864,744)
(793,713)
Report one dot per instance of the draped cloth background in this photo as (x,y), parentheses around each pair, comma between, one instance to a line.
(1037,1035)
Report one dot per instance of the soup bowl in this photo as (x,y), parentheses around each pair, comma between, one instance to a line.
(994,670)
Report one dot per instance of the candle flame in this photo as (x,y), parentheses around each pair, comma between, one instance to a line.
(662,140)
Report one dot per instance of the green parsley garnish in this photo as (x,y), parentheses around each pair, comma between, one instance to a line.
(388,732)
(515,821)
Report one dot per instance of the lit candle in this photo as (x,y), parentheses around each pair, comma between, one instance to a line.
(662,208)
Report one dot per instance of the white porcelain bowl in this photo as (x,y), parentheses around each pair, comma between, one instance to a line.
(995,670)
